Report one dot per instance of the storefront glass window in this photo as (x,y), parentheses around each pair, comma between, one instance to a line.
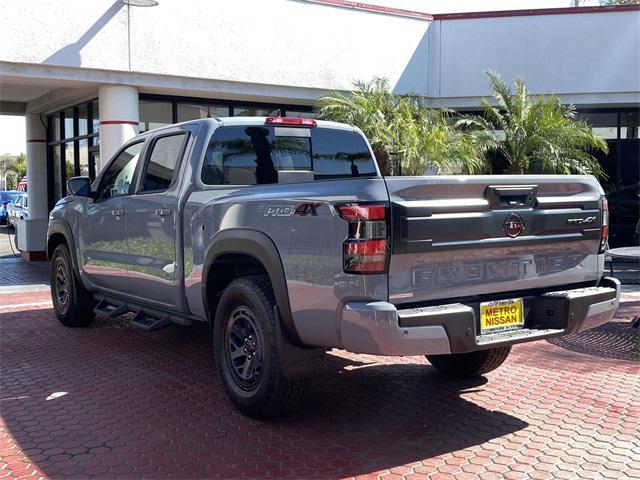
(83,151)
(628,198)
(254,112)
(187,111)
(297,114)
(95,117)
(82,119)
(57,173)
(68,161)
(68,123)
(604,124)
(630,125)
(154,114)
(56,128)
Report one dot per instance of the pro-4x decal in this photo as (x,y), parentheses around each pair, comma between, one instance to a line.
(304,209)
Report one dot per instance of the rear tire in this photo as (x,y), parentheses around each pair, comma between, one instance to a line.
(246,342)
(472,364)
(73,304)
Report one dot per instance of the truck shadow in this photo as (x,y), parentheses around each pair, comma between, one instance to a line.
(616,340)
(111,401)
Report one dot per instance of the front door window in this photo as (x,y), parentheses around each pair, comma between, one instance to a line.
(118,179)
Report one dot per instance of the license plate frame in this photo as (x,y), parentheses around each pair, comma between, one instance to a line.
(501,315)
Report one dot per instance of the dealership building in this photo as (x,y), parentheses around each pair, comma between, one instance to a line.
(90,75)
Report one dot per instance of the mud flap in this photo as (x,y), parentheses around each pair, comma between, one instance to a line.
(299,363)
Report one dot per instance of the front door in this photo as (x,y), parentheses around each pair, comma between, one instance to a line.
(151,222)
(103,236)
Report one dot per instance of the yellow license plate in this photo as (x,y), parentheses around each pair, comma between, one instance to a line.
(501,315)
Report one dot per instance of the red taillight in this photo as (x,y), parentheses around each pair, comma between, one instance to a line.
(366,250)
(355,212)
(301,122)
(605,224)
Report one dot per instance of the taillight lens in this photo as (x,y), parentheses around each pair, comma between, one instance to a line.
(605,224)
(366,249)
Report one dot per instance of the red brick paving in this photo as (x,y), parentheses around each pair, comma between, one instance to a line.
(20,274)
(150,405)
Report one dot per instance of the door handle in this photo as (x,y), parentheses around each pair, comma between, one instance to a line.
(163,212)
(117,212)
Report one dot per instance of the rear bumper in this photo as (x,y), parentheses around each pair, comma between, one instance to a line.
(379,328)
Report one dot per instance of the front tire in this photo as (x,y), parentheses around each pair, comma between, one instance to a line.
(72,303)
(472,364)
(246,340)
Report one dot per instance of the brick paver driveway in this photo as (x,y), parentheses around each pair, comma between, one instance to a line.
(113,402)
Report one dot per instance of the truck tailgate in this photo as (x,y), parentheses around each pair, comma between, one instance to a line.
(460,236)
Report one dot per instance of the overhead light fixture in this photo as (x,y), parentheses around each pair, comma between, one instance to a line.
(140,3)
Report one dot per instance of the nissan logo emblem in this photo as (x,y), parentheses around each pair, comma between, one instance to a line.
(513,225)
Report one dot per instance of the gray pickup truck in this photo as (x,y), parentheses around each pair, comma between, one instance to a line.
(282,235)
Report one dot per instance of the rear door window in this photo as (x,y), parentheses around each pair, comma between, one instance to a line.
(163,161)
(253,155)
(340,154)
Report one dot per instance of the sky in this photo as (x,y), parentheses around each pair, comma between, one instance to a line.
(12,135)
(12,128)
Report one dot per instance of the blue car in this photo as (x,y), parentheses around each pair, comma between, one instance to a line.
(7,198)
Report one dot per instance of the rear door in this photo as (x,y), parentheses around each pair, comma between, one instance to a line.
(151,222)
(462,236)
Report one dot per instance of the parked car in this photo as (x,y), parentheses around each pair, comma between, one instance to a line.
(8,195)
(19,209)
(282,235)
(6,201)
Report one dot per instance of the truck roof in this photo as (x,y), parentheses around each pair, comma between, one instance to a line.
(250,121)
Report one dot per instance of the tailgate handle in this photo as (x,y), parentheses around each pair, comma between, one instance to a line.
(512,196)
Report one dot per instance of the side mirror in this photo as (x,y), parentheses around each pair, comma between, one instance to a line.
(79,186)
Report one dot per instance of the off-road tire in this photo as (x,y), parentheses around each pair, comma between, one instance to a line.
(272,395)
(472,364)
(76,308)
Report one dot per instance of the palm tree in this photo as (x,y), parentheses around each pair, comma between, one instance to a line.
(429,140)
(369,107)
(534,136)
(608,3)
(15,169)
(400,125)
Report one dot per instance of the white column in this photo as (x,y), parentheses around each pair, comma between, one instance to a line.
(37,167)
(32,231)
(119,116)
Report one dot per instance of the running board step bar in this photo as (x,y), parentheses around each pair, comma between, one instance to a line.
(146,318)
(149,324)
(108,309)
